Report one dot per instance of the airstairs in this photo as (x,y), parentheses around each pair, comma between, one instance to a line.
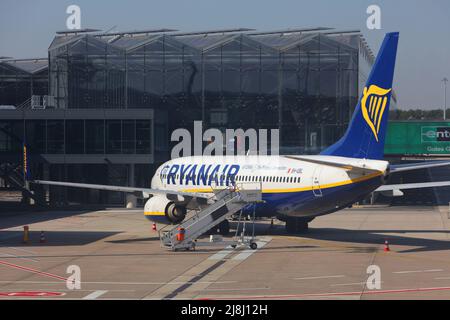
(11,175)
(226,202)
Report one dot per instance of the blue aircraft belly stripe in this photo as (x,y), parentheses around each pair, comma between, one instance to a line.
(308,203)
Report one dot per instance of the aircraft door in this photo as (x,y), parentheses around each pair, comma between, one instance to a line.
(317,191)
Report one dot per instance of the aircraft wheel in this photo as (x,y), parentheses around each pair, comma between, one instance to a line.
(253,246)
(296,225)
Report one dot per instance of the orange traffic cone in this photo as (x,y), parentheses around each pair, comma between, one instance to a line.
(154,226)
(386,246)
(26,234)
(42,238)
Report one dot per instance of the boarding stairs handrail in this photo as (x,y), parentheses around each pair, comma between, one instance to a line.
(25,105)
(228,201)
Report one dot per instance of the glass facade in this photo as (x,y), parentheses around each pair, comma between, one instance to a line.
(118,98)
(98,136)
(305,84)
(20,79)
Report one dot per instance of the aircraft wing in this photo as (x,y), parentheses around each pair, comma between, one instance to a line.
(416,166)
(394,187)
(171,195)
(345,166)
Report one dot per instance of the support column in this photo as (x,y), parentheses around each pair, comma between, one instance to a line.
(45,187)
(131,199)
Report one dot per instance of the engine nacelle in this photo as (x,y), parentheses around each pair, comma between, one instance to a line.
(162,210)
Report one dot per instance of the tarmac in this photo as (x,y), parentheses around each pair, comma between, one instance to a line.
(119,256)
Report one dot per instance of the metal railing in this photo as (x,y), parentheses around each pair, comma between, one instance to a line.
(36,102)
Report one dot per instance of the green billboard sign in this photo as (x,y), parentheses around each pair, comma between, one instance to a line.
(418,138)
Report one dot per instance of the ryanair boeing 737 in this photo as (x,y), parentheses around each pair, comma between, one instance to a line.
(295,189)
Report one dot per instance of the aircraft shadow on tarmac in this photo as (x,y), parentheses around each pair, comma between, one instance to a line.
(134,240)
(16,219)
(377,237)
(53,238)
(354,238)
(374,238)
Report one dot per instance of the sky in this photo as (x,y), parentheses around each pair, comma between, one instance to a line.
(28,26)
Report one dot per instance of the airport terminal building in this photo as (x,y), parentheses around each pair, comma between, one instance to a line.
(102,106)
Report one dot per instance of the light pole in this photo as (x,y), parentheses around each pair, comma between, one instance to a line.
(445,80)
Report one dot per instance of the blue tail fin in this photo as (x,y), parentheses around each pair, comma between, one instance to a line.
(367,130)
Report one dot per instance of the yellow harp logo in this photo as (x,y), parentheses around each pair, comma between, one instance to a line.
(373,103)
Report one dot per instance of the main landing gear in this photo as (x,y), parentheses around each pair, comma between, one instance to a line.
(297,225)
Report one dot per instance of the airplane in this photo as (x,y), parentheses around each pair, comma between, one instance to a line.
(295,189)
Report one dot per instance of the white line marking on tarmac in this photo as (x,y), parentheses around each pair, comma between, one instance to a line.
(94,295)
(248,252)
(20,249)
(418,271)
(349,284)
(123,283)
(221,254)
(331,294)
(236,289)
(4,255)
(69,290)
(320,277)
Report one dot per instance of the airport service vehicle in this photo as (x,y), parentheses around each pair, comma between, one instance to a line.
(295,189)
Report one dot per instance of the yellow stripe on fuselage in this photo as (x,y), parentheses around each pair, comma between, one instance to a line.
(309,188)
(154,213)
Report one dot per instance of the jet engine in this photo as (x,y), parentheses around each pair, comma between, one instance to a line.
(162,210)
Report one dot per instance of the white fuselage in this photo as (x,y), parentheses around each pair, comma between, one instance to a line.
(289,186)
